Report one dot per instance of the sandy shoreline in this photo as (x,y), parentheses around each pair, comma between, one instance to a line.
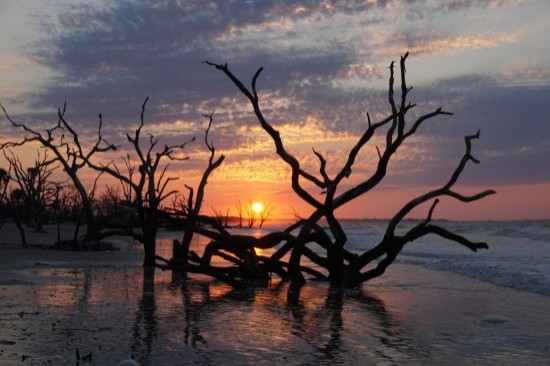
(53,301)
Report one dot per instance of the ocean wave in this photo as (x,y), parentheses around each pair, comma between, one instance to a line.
(517,258)
(497,275)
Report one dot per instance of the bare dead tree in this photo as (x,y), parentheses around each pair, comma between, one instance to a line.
(70,203)
(226,219)
(131,167)
(221,217)
(67,205)
(176,210)
(345,268)
(296,215)
(34,182)
(4,184)
(240,212)
(57,206)
(180,253)
(64,142)
(265,214)
(218,215)
(114,212)
(4,181)
(148,180)
(250,215)
(31,193)
(17,210)
(109,201)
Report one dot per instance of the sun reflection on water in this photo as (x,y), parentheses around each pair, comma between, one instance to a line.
(160,315)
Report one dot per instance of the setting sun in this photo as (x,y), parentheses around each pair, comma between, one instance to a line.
(257,207)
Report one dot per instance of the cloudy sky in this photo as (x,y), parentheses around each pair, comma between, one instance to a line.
(325,66)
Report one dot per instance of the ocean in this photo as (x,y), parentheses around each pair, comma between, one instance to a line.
(438,304)
(518,256)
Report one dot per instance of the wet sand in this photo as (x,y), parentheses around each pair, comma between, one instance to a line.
(104,303)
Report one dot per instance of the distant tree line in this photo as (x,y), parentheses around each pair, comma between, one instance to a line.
(31,197)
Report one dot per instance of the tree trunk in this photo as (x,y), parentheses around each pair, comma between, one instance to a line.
(19,226)
(294,271)
(180,251)
(149,247)
(336,266)
(149,228)
(91,227)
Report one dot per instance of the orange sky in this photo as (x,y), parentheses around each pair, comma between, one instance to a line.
(510,203)
(325,66)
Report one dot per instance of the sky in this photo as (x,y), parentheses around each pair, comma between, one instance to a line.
(325,66)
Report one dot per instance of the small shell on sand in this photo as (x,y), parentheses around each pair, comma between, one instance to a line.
(494,319)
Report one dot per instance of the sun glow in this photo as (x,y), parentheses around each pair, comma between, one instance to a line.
(257,207)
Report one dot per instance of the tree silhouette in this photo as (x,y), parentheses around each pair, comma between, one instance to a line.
(147,179)
(265,214)
(64,142)
(33,190)
(4,184)
(346,268)
(194,202)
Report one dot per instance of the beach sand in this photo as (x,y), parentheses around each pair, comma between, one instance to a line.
(104,303)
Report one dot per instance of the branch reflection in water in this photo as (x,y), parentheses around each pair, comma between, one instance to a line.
(283,322)
(165,318)
(145,329)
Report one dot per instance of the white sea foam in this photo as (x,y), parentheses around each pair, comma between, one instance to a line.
(518,255)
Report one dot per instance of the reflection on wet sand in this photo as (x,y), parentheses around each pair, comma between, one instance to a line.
(282,311)
(324,327)
(169,318)
(108,306)
(145,328)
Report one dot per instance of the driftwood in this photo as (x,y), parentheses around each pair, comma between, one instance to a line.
(342,267)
